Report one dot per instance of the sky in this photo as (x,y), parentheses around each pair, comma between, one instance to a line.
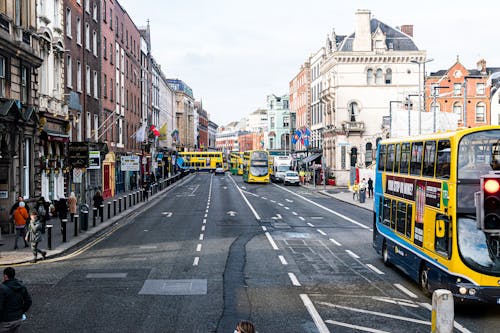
(234,53)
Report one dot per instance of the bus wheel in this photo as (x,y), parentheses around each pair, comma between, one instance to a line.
(385,254)
(424,280)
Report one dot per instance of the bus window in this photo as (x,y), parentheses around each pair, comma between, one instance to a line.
(416,158)
(429,158)
(442,241)
(397,158)
(381,158)
(387,211)
(390,158)
(443,160)
(409,211)
(393,214)
(401,218)
(405,157)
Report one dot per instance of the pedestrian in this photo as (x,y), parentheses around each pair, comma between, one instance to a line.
(72,205)
(34,235)
(146,190)
(245,326)
(62,208)
(20,217)
(98,201)
(355,190)
(362,190)
(20,198)
(15,301)
(42,208)
(370,187)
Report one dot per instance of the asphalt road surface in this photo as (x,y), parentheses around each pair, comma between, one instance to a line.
(213,250)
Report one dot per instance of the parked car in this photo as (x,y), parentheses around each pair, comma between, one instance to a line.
(219,171)
(291,178)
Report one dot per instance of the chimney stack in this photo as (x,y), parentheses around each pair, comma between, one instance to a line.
(363,36)
(481,66)
(407,29)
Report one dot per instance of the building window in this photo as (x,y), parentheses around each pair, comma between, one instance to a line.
(88,124)
(96,127)
(105,50)
(24,84)
(435,107)
(87,36)
(272,122)
(94,42)
(353,111)
(286,121)
(87,6)
(96,88)
(457,89)
(26,168)
(480,113)
(78,76)
(111,53)
(388,76)
(111,19)
(480,89)
(343,154)
(78,31)
(68,22)
(111,87)
(69,73)
(457,109)
(378,76)
(87,80)
(105,86)
(2,76)
(368,154)
(94,13)
(104,10)
(369,76)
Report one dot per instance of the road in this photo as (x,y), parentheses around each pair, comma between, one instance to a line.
(213,250)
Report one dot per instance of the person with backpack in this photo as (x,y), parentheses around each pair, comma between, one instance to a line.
(42,209)
(20,216)
(15,301)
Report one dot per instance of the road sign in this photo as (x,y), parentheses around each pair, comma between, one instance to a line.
(77,175)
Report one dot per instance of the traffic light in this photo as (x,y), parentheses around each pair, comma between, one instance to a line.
(490,203)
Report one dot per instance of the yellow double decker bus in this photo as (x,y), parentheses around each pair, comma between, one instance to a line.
(236,163)
(437,210)
(201,160)
(256,166)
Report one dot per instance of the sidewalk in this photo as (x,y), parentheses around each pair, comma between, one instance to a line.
(126,203)
(340,193)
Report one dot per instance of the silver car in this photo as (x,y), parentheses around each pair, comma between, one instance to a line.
(291,178)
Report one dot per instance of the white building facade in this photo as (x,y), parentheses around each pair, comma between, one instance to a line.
(364,75)
(316,107)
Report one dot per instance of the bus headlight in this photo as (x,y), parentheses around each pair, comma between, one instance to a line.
(472,291)
(462,290)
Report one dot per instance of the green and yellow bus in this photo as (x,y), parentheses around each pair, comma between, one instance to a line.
(428,212)
(236,163)
(202,160)
(256,166)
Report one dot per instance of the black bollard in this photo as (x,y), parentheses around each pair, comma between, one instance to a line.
(49,236)
(124,203)
(109,210)
(134,197)
(94,215)
(130,200)
(101,212)
(63,226)
(114,207)
(75,232)
(119,205)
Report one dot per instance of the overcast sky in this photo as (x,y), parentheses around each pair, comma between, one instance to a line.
(233,53)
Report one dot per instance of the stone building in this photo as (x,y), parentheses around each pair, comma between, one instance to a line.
(20,154)
(362,74)
(278,123)
(184,101)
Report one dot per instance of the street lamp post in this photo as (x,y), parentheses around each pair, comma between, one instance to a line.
(420,91)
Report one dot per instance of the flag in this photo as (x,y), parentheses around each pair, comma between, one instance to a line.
(175,135)
(306,133)
(140,134)
(154,130)
(163,133)
(296,136)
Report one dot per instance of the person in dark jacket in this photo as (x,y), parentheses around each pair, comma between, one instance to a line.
(98,201)
(34,235)
(15,301)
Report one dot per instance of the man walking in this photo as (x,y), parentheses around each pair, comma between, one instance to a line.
(15,301)
(370,187)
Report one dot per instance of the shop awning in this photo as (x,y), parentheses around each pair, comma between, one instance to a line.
(310,158)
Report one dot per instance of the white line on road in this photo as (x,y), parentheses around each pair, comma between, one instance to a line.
(202,228)
(271,240)
(335,242)
(196,260)
(352,254)
(204,221)
(279,216)
(287,207)
(321,232)
(356,327)
(201,236)
(375,269)
(283,260)
(458,326)
(325,208)
(294,279)
(198,248)
(303,219)
(310,224)
(206,210)
(264,228)
(206,215)
(295,213)
(280,204)
(273,201)
(406,291)
(320,324)
(288,200)
(246,200)
(264,198)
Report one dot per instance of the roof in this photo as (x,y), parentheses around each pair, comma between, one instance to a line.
(399,40)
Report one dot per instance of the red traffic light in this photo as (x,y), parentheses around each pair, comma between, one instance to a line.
(491,186)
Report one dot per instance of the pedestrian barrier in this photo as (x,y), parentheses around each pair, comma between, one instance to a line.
(109,210)
(75,220)
(49,236)
(114,207)
(119,205)
(101,212)
(94,215)
(124,203)
(84,213)
(443,313)
(63,229)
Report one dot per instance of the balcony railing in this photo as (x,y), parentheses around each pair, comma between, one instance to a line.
(353,126)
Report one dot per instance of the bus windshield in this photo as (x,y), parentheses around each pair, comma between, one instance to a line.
(479,250)
(478,154)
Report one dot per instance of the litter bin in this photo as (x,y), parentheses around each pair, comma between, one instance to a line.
(362,195)
(84,217)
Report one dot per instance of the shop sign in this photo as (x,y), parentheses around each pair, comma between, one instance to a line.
(94,159)
(130,163)
(4,194)
(78,154)
(77,176)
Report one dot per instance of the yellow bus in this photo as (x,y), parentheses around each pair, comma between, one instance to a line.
(434,216)
(256,166)
(236,163)
(201,160)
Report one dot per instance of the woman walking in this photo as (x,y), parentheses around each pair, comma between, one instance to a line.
(72,205)
(34,235)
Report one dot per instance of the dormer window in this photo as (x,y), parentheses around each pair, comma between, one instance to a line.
(379,44)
